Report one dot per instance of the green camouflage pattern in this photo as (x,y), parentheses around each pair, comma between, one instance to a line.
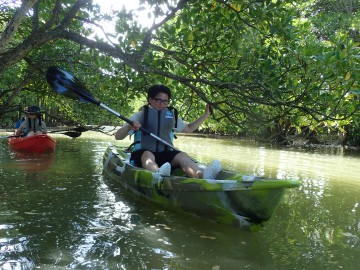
(231,198)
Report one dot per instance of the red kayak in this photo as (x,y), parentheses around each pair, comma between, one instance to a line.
(34,144)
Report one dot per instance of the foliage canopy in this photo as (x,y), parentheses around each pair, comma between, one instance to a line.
(270,69)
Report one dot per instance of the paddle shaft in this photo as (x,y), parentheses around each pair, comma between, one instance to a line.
(64,83)
(141,128)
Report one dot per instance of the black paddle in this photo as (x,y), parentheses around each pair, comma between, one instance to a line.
(71,132)
(64,83)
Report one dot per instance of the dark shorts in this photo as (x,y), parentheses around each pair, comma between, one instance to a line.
(160,157)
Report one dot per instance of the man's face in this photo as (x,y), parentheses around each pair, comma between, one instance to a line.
(32,116)
(160,101)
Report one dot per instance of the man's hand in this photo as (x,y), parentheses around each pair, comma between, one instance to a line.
(135,126)
(208,109)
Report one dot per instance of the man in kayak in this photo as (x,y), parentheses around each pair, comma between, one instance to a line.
(161,120)
(32,125)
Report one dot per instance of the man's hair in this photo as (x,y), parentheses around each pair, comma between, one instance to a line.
(158,88)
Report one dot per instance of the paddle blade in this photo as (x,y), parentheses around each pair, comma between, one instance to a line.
(64,83)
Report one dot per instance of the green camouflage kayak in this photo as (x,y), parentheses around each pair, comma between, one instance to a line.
(232,198)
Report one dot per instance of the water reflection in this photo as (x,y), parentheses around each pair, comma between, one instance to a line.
(324,163)
(33,162)
(13,246)
(110,216)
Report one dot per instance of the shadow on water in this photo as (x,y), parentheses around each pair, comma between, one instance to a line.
(68,217)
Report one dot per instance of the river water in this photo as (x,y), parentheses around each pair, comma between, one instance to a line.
(57,212)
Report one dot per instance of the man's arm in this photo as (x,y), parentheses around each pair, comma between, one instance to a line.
(43,127)
(189,128)
(19,131)
(124,130)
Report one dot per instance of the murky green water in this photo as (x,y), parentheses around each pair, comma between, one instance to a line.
(57,212)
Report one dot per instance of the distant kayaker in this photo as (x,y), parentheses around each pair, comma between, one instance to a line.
(33,124)
(161,120)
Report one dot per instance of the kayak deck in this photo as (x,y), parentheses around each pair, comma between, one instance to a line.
(231,198)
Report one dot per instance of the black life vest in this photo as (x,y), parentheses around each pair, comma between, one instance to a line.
(158,122)
(32,125)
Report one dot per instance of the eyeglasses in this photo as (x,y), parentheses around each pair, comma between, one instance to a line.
(159,101)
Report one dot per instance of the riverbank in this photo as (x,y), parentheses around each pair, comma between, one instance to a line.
(298,142)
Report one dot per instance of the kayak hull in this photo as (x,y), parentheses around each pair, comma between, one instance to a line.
(233,199)
(33,144)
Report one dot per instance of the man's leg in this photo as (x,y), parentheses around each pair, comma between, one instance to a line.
(190,168)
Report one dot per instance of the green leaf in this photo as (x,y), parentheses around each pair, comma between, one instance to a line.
(356,92)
